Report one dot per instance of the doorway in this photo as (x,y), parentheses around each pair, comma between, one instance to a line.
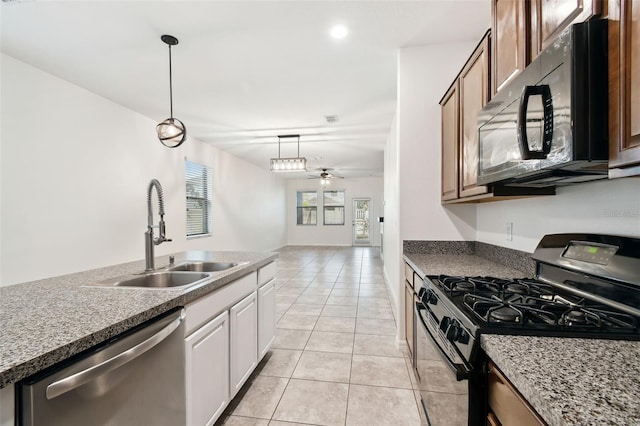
(361,222)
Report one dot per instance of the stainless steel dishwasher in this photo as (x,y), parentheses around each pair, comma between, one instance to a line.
(135,379)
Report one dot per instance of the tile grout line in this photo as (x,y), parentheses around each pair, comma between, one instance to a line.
(359,257)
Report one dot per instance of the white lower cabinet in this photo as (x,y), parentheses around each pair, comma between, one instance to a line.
(266,317)
(227,333)
(243,317)
(207,371)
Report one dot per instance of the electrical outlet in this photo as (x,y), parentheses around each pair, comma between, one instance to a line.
(509,231)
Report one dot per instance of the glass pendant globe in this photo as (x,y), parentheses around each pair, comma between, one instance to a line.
(171,132)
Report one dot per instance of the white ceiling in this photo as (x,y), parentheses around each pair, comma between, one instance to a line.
(245,72)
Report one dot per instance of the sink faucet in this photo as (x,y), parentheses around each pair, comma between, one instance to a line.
(149,241)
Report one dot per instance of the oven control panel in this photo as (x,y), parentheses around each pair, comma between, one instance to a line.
(590,252)
(444,324)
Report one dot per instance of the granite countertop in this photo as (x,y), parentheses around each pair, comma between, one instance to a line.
(567,381)
(459,264)
(572,381)
(46,321)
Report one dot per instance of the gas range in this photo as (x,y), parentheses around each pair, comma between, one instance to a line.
(585,286)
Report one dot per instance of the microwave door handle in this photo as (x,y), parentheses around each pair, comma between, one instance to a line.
(547,107)
(461,371)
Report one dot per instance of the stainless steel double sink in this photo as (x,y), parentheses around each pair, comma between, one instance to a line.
(184,274)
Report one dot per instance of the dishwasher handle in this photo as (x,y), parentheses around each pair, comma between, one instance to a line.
(73,381)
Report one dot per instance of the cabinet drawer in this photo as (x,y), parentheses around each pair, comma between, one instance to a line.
(506,403)
(411,276)
(204,309)
(266,273)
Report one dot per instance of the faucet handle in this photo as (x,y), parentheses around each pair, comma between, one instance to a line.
(160,240)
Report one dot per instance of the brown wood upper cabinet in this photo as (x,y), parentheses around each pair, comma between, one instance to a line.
(548,18)
(450,137)
(474,95)
(521,29)
(460,107)
(624,87)
(509,41)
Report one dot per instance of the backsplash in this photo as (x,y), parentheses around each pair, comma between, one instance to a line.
(516,259)
(520,260)
(438,247)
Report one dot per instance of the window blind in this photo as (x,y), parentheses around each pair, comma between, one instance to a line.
(333,207)
(198,180)
(307,210)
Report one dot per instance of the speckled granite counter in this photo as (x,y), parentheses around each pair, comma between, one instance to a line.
(44,322)
(459,264)
(572,381)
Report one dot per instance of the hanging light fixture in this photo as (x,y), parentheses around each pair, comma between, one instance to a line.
(297,164)
(171,132)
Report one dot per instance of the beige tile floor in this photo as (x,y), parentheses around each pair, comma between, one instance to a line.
(334,360)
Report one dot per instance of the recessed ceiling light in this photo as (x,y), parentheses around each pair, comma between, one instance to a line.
(339,31)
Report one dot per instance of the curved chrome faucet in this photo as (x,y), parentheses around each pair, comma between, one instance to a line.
(149,241)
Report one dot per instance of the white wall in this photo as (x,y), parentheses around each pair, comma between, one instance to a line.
(604,207)
(334,235)
(75,170)
(424,74)
(392,243)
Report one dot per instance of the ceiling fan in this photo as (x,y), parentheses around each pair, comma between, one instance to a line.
(325,177)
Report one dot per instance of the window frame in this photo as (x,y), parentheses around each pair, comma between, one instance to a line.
(338,206)
(207,198)
(300,209)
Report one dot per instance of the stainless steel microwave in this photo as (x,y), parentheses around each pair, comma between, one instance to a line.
(550,126)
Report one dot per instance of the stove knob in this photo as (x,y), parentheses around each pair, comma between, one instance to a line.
(444,324)
(430,297)
(464,337)
(453,332)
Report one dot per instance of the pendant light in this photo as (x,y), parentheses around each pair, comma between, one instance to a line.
(295,164)
(171,132)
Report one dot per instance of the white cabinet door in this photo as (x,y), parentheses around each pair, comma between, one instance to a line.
(266,317)
(243,341)
(207,371)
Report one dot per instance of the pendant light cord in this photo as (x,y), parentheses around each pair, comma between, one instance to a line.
(170,84)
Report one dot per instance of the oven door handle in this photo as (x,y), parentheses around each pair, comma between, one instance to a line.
(460,370)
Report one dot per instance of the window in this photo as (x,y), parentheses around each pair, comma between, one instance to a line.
(307,208)
(198,178)
(334,207)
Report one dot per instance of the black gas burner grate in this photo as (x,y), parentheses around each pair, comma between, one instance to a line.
(456,286)
(557,311)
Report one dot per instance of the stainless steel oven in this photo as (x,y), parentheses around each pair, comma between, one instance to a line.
(586,285)
(443,378)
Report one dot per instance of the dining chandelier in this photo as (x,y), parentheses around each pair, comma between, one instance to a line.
(296,164)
